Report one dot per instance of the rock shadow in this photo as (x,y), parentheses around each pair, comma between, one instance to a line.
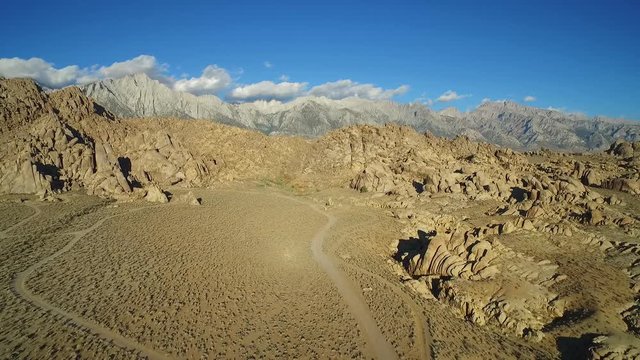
(569,318)
(418,186)
(519,194)
(407,249)
(125,166)
(575,348)
(53,172)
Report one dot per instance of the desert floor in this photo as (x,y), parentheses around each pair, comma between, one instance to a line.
(254,272)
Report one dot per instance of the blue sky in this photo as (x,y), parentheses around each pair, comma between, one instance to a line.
(581,56)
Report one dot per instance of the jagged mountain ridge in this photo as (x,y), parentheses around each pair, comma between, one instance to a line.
(504,123)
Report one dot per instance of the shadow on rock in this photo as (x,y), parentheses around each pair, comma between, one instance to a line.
(571,348)
(409,248)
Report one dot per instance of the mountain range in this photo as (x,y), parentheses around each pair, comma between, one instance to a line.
(504,123)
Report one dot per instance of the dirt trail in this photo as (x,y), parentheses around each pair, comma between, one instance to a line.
(378,344)
(21,289)
(351,293)
(423,338)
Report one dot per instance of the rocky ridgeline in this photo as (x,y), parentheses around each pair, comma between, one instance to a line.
(63,141)
(499,122)
(68,142)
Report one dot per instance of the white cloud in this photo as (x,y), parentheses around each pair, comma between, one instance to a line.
(41,71)
(557,109)
(347,88)
(268,90)
(285,90)
(146,64)
(423,99)
(529,98)
(485,100)
(48,75)
(212,80)
(268,64)
(450,95)
(141,64)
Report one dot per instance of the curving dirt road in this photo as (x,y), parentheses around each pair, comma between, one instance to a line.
(423,338)
(378,345)
(19,286)
(351,295)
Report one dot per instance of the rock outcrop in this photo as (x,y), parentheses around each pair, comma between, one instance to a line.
(615,346)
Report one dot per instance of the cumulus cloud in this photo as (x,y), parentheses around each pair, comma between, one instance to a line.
(268,90)
(347,88)
(41,71)
(146,64)
(212,80)
(450,95)
(48,75)
(529,98)
(285,90)
(141,64)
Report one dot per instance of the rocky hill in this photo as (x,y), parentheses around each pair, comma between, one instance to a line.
(502,123)
(485,228)
(54,132)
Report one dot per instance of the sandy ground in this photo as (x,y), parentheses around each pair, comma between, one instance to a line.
(235,277)
(254,272)
(361,244)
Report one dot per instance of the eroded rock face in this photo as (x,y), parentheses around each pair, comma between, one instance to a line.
(21,102)
(54,156)
(624,149)
(479,278)
(615,346)
(186,199)
(64,140)
(155,194)
(454,254)
(621,184)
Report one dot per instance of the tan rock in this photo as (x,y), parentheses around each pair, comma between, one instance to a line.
(155,194)
(187,199)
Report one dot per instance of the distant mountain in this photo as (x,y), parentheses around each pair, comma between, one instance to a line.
(504,123)
(518,126)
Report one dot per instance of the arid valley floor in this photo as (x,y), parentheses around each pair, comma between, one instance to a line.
(167,238)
